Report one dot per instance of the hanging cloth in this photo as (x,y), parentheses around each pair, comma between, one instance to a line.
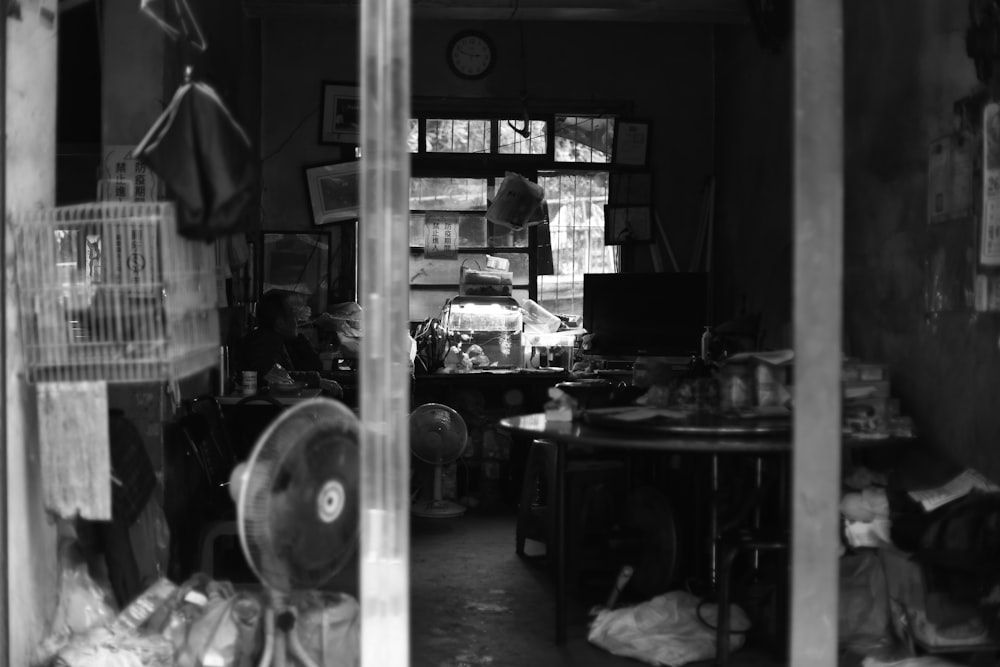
(203,155)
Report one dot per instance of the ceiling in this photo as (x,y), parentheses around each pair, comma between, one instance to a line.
(664,11)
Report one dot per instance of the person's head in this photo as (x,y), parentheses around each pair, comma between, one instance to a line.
(275,313)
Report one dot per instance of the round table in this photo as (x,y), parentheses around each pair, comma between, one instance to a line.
(707,436)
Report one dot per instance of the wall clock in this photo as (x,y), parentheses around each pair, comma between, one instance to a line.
(470,54)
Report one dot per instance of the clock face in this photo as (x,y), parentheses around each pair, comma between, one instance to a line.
(470,54)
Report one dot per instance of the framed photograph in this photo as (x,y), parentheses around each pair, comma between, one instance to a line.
(631,147)
(340,114)
(630,187)
(297,262)
(624,225)
(334,191)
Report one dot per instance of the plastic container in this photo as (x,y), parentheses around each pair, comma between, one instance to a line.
(537,319)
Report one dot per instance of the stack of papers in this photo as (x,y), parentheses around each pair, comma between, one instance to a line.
(954,489)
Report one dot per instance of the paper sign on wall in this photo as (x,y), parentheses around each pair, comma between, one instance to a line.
(124,178)
(441,236)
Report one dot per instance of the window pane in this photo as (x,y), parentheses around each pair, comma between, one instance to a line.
(458,136)
(576,223)
(413,138)
(426,303)
(472,231)
(515,143)
(583,139)
(448,194)
(504,237)
(417,230)
(424,271)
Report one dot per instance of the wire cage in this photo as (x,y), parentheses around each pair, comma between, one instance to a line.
(110,291)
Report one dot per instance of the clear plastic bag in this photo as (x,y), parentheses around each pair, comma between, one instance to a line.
(225,634)
(665,630)
(150,539)
(83,604)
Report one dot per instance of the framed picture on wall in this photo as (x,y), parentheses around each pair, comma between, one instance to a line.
(340,114)
(334,192)
(631,147)
(624,225)
(297,262)
(630,187)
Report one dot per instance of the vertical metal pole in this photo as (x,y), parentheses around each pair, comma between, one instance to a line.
(818,274)
(384,368)
(4,389)
(713,524)
(562,548)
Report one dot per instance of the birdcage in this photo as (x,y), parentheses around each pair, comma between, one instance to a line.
(110,291)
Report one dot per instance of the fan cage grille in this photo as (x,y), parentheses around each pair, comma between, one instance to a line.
(110,291)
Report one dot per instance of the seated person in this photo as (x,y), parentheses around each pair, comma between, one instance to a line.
(277,340)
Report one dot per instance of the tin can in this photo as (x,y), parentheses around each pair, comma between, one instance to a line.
(249,383)
(223,370)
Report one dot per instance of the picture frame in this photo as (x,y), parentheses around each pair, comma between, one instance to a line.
(626,225)
(631,143)
(334,191)
(297,262)
(630,188)
(340,114)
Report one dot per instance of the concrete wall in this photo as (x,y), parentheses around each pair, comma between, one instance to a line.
(752,261)
(905,65)
(665,71)
(30,160)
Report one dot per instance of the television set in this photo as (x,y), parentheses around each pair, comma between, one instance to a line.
(633,314)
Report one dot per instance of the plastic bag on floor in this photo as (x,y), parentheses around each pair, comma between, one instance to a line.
(83,604)
(665,630)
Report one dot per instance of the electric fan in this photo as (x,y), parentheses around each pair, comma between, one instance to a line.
(437,436)
(298,513)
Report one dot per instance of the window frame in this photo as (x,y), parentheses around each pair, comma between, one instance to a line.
(493,164)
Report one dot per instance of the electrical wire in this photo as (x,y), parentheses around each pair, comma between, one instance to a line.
(291,134)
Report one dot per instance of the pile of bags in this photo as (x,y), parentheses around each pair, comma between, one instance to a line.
(199,623)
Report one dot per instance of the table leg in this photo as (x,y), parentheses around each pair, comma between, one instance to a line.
(713,523)
(561,499)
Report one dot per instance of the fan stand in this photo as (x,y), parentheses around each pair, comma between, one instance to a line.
(280,638)
(437,507)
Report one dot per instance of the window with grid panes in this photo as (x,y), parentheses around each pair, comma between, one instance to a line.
(457,165)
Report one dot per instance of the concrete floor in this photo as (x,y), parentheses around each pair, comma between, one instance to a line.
(475,602)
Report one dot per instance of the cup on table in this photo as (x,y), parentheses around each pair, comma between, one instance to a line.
(249,383)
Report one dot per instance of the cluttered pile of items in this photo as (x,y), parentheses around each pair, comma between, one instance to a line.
(193,624)
(918,572)
(476,332)
(744,386)
(297,519)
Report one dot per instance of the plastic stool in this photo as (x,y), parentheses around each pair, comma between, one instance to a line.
(209,535)
(536,515)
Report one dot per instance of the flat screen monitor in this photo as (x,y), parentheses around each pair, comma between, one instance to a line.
(661,314)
